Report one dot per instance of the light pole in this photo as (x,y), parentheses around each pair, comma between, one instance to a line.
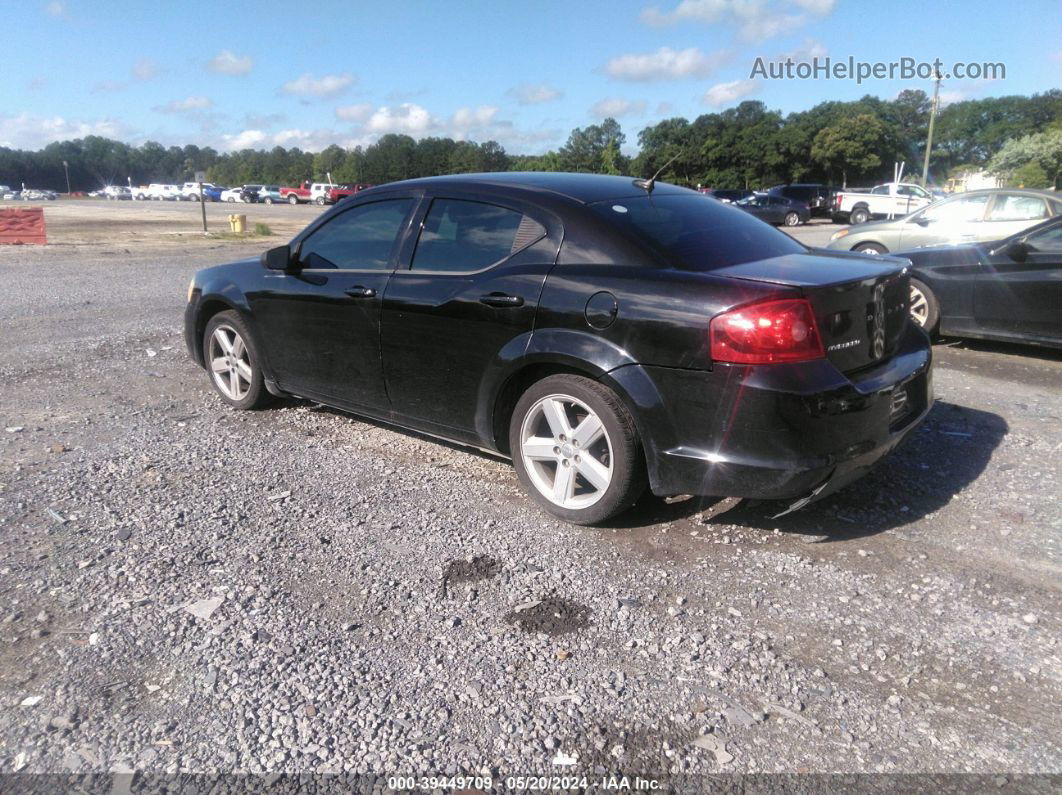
(66,168)
(929,138)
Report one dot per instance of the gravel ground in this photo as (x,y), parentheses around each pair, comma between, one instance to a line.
(189,588)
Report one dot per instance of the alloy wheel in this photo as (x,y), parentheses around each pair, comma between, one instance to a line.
(230,363)
(919,307)
(566,451)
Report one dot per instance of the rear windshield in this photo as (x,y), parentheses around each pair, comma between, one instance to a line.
(696,232)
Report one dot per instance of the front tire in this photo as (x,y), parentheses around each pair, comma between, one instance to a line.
(871,248)
(233,362)
(792,219)
(267,200)
(924,308)
(576,449)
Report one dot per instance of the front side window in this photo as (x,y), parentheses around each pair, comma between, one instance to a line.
(460,236)
(1014,207)
(967,208)
(1047,240)
(359,239)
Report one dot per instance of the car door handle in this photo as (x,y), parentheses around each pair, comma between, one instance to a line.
(501,299)
(361,292)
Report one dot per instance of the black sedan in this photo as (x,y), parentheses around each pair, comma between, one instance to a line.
(1007,289)
(605,333)
(775,209)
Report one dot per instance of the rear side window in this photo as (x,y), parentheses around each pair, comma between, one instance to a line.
(469,236)
(359,239)
(695,233)
(1014,207)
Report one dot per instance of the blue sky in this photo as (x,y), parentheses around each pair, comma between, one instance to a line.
(230,73)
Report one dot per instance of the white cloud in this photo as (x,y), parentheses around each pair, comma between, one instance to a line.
(616,108)
(145,69)
(356,113)
(951,97)
(534,93)
(248,139)
(757,20)
(760,27)
(479,124)
(724,93)
(408,118)
(55,9)
(228,63)
(471,118)
(818,7)
(186,105)
(665,64)
(27,131)
(322,87)
(806,52)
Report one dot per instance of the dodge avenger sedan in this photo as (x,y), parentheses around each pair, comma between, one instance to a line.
(607,334)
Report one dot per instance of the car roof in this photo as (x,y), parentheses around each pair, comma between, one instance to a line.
(1050,194)
(583,188)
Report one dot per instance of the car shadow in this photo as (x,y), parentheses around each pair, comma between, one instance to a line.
(947,453)
(1024,350)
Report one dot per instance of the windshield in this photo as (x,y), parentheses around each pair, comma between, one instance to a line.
(695,232)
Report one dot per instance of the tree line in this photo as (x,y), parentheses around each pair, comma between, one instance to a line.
(745,146)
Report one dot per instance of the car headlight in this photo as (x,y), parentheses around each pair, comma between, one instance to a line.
(191,288)
(838,235)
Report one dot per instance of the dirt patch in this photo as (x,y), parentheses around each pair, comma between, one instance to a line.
(553,616)
(481,567)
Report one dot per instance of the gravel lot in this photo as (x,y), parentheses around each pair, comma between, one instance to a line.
(188,588)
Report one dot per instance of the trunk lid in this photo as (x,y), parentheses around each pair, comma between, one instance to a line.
(860,302)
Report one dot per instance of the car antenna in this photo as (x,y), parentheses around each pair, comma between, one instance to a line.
(648,184)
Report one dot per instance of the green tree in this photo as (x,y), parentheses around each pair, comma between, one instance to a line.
(850,146)
(585,148)
(1037,157)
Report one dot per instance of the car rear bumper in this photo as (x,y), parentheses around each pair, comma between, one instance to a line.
(778,432)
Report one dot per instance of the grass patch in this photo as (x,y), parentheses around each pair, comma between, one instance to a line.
(262,230)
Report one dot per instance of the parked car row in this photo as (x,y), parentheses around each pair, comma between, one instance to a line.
(306,192)
(29,194)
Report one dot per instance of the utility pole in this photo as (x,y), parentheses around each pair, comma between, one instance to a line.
(66,168)
(929,137)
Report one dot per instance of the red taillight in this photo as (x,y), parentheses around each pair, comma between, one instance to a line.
(772,331)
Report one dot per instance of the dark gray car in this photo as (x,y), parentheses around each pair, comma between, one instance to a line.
(964,218)
(776,210)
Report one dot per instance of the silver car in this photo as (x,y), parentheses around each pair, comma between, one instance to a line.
(964,218)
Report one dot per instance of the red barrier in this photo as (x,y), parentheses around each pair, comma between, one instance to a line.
(22,225)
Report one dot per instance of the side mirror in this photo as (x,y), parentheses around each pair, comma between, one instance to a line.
(1017,250)
(922,220)
(278,259)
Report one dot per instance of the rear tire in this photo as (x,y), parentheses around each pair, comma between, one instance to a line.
(267,200)
(792,219)
(924,307)
(576,449)
(293,199)
(233,363)
(859,216)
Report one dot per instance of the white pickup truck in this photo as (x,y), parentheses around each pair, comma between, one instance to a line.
(891,200)
(156,191)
